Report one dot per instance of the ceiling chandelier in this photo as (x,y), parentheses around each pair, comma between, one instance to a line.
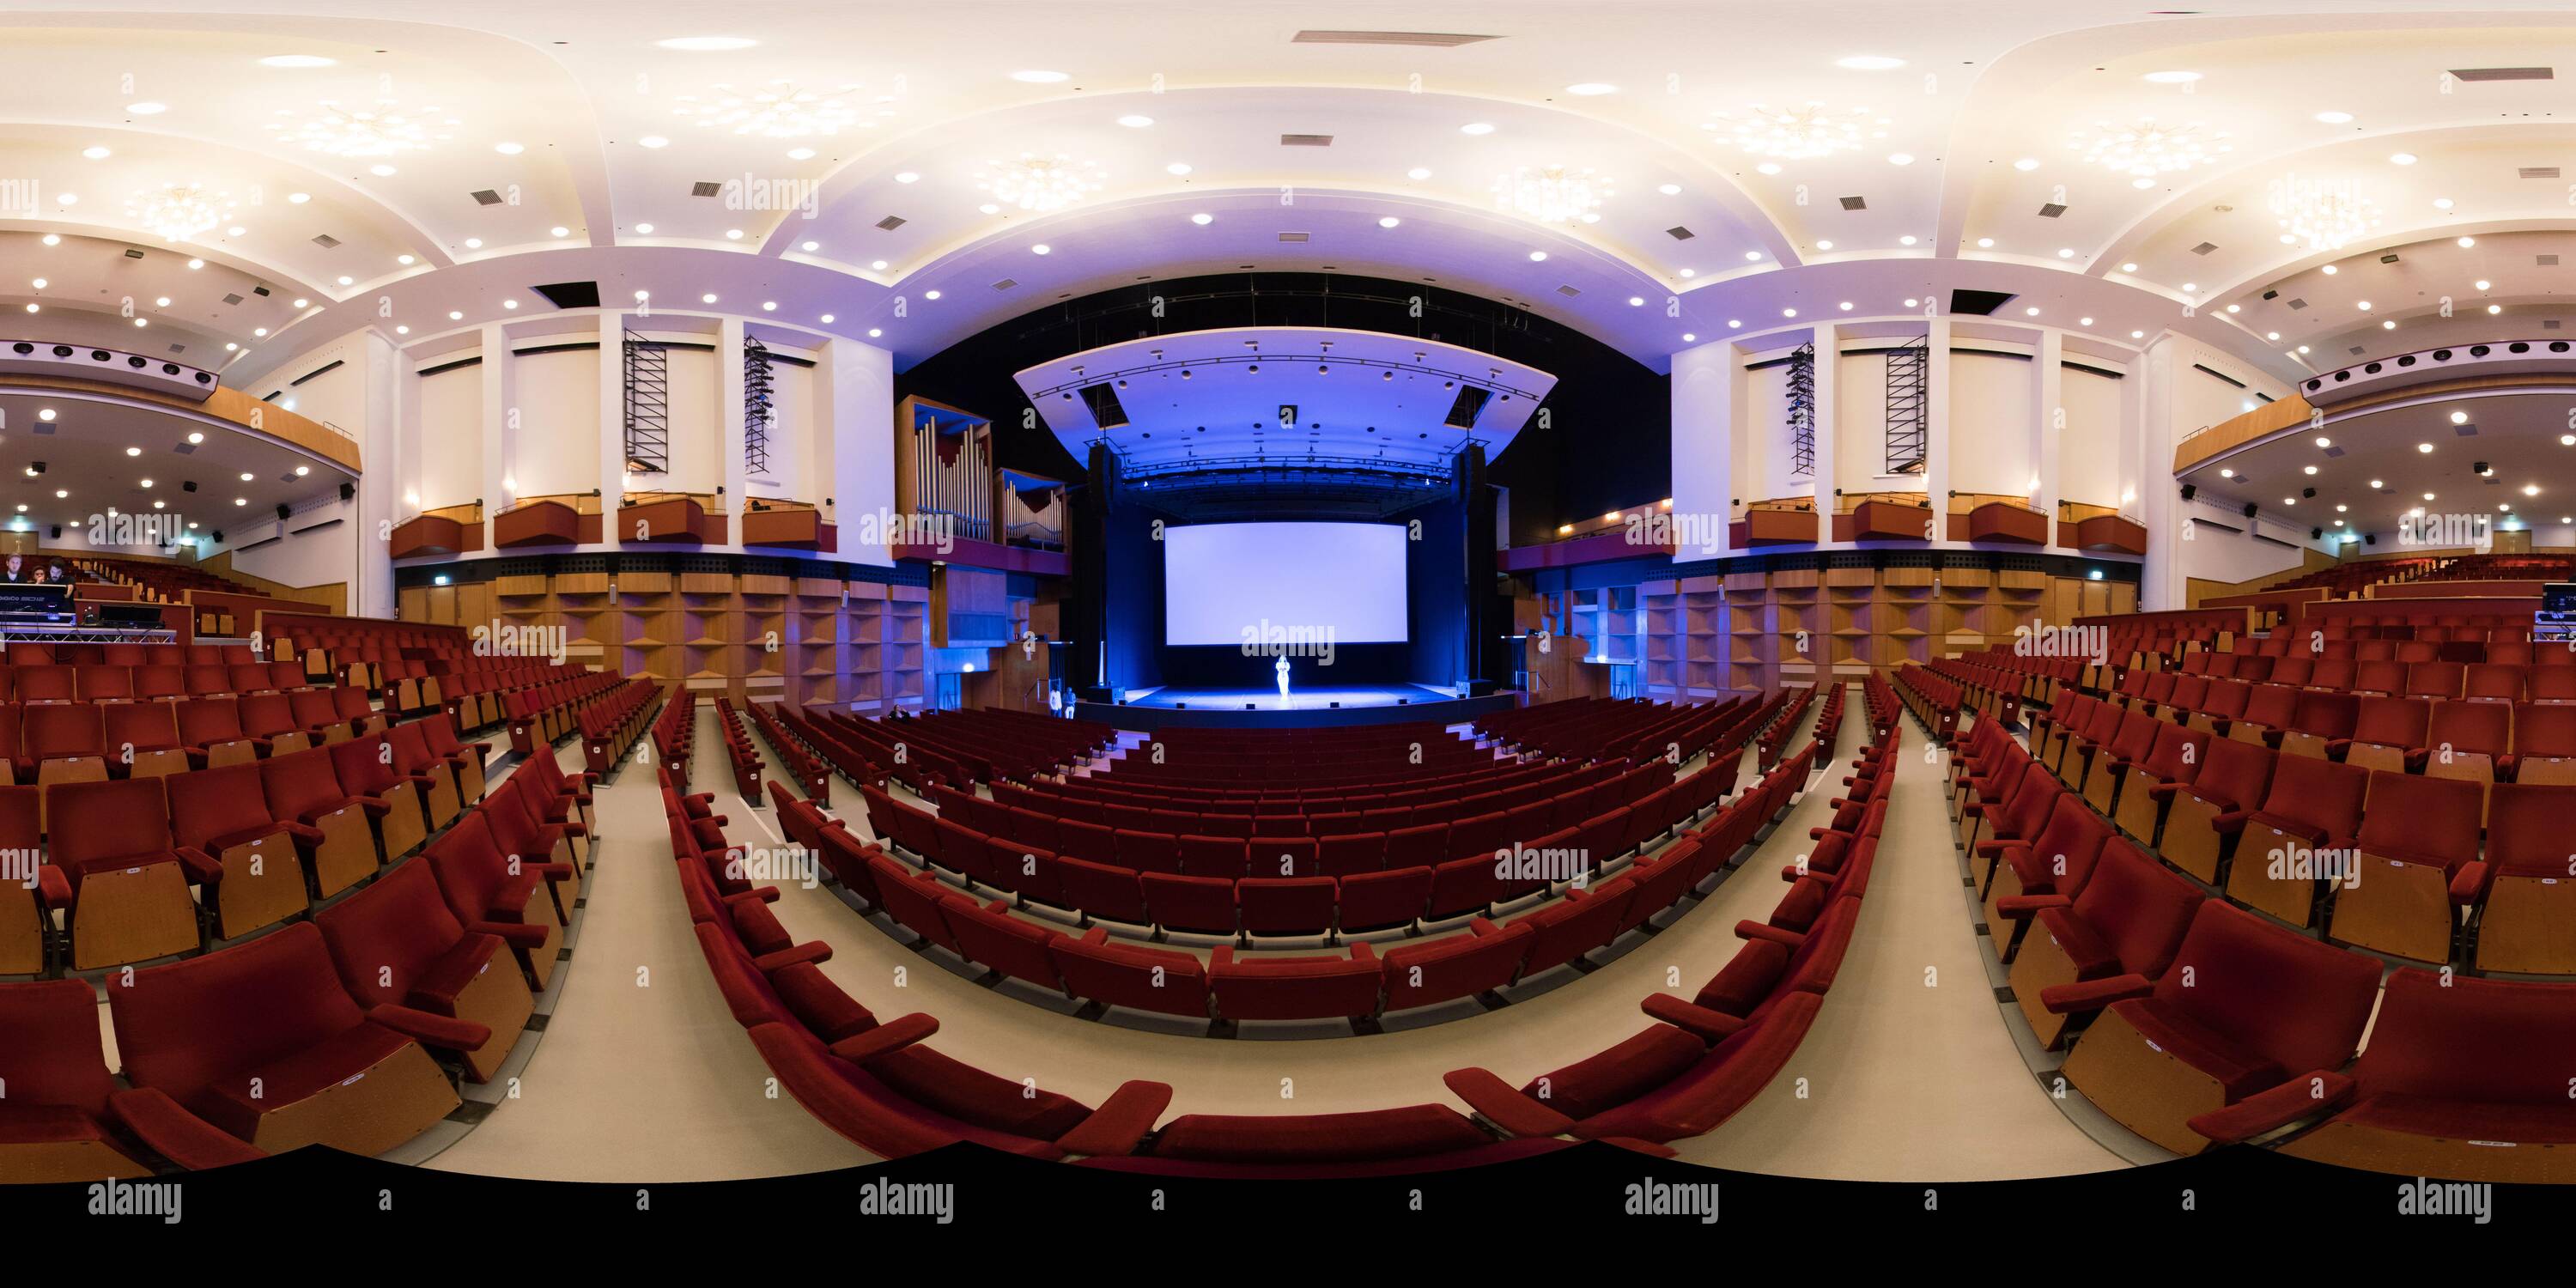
(380,129)
(179,211)
(1039,183)
(2147,149)
(2321,214)
(780,111)
(1801,132)
(1553,194)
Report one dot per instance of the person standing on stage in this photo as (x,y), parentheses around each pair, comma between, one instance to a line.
(1281,666)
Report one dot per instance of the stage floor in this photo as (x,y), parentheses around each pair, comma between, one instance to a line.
(1303,699)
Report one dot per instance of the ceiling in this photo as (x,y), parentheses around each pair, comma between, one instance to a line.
(2519,436)
(1954,153)
(99,453)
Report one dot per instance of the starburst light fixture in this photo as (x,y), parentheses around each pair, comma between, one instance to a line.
(1040,183)
(379,129)
(778,110)
(1553,194)
(1797,133)
(2148,149)
(179,211)
(2322,214)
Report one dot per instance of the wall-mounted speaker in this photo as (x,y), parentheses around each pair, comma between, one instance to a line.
(348,490)
(2316,534)
(2307,494)
(283,513)
(2190,490)
(2370,538)
(2249,509)
(219,538)
(189,486)
(58,532)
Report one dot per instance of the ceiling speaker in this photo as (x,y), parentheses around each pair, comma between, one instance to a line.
(2249,509)
(2189,490)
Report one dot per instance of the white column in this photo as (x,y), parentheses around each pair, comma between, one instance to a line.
(1828,404)
(1936,435)
(854,397)
(2048,420)
(500,416)
(2160,586)
(1708,396)
(386,435)
(729,426)
(612,420)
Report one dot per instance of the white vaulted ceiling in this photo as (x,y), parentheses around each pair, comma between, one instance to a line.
(1964,123)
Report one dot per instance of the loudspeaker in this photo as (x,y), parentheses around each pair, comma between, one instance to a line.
(2189,489)
(2370,539)
(1404,702)
(1247,706)
(282,513)
(189,486)
(2308,494)
(57,533)
(1177,706)
(348,490)
(2249,509)
(2316,534)
(1337,706)
(219,538)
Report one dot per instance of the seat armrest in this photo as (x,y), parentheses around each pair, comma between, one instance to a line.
(2469,882)
(202,868)
(515,934)
(53,889)
(1122,1120)
(2276,1107)
(884,1039)
(1700,1022)
(1789,939)
(1504,1105)
(2093,994)
(431,1030)
(811,951)
(175,1134)
(2018,906)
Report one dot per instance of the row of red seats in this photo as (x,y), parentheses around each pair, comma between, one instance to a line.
(612,720)
(262,841)
(1706,1057)
(1099,801)
(348,1030)
(16,653)
(2194,1022)
(813,776)
(49,743)
(738,750)
(675,733)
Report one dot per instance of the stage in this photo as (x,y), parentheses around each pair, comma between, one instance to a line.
(1304,708)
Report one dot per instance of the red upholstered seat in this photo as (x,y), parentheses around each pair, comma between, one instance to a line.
(1148,979)
(398,944)
(1295,988)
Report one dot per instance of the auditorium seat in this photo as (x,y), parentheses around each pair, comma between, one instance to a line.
(144,738)
(2521,897)
(1286,906)
(2388,733)
(334,837)
(1370,1143)
(1655,1087)
(1212,856)
(397,944)
(1350,853)
(988,935)
(271,717)
(2128,921)
(1105,891)
(414,760)
(219,820)
(2464,1079)
(66,744)
(1585,919)
(1295,988)
(2312,806)
(489,887)
(1195,905)
(2245,1006)
(261,1041)
(365,769)
(2058,860)
(2466,740)
(64,1119)
(2416,834)
(1139,978)
(129,882)
(1389,900)
(2174,763)
(1485,958)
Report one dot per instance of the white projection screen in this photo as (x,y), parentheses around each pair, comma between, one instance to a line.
(1220,579)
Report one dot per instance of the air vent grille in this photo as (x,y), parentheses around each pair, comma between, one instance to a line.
(2204,248)
(1006,284)
(892,222)
(233,298)
(1855,203)
(703,188)
(1305,140)
(1678,233)
(1568,292)
(326,241)
(486,197)
(1292,237)
(2536,172)
(2545,261)
(2296,305)
(2052,210)
(2500,73)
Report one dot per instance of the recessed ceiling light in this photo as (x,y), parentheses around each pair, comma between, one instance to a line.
(2234,307)
(1733,324)
(1040,77)
(1476,127)
(452,316)
(2495,309)
(147,109)
(2441,203)
(2026,163)
(733,234)
(1823,244)
(810,247)
(1845,306)
(2401,158)
(874,332)
(2334,118)
(907,176)
(2427,449)
(297,60)
(2389,325)
(707,44)
(1689,337)
(2128,268)
(1900,158)
(2329,270)
(643,295)
(2376,484)
(2459,418)
(1591,89)
(400,330)
(302,470)
(2467,242)
(1906,240)
(381,171)
(653,141)
(1204,219)
(827,319)
(1041,249)
(1135,122)
(708,298)
(67,198)
(644,229)
(404,260)
(878,265)
(2363,305)
(345,280)
(1752,256)
(559,231)
(1418,173)
(303,303)
(1869,63)
(2064,252)
(989,208)
(2031,312)
(2173,78)
(256,331)
(245,478)
(2271,335)
(1690,272)
(2310,469)
(1769,167)
(298,198)
(1387,221)
(1177,167)
(2137,335)
(1985,243)
(1538,257)
(196,438)
(508,149)
(95,154)
(1788,313)
(1636,301)
(53,239)
(2303,348)
(2323,441)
